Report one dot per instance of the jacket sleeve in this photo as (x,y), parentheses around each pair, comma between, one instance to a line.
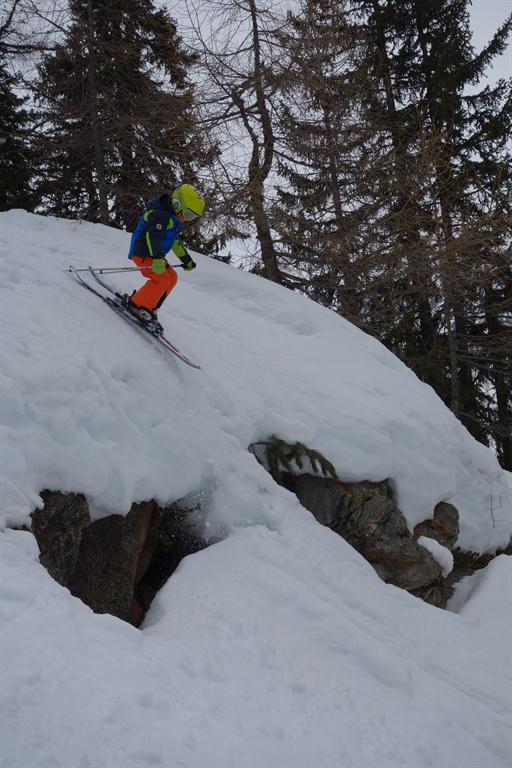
(179,249)
(156,222)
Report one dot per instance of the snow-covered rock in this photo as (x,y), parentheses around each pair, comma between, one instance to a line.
(441,555)
(88,405)
(443,526)
(366,517)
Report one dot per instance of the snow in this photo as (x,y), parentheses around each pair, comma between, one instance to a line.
(271,648)
(278,646)
(441,555)
(463,590)
(87,404)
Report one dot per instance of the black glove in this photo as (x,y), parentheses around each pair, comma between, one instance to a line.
(189,264)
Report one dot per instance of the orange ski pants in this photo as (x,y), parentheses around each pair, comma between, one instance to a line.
(156,289)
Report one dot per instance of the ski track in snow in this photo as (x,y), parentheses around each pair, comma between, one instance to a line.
(278,647)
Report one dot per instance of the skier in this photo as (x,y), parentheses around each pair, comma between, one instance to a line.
(157,232)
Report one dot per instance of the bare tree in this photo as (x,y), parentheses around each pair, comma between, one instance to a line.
(28,27)
(241,67)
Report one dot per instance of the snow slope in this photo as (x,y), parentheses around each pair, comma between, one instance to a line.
(87,404)
(278,647)
(272,649)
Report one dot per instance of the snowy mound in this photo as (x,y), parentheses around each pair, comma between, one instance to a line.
(272,649)
(87,404)
(278,646)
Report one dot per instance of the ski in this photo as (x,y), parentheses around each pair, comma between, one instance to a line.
(116,305)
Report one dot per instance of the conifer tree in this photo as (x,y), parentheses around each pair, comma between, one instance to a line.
(16,158)
(426,64)
(318,211)
(430,178)
(471,188)
(118,107)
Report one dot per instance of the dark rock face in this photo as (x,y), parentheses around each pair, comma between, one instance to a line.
(118,563)
(58,529)
(443,526)
(364,514)
(114,555)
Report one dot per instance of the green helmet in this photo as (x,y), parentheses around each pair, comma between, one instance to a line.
(187,200)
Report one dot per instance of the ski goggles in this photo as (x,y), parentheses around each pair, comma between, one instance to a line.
(188,215)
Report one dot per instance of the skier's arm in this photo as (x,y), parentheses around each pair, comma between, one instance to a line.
(156,225)
(180,250)
(183,255)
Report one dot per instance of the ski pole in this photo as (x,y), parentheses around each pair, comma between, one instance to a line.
(110,270)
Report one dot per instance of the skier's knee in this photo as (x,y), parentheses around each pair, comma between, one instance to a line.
(171,278)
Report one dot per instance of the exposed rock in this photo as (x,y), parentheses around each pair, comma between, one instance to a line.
(115,553)
(58,530)
(115,564)
(443,527)
(436,593)
(365,515)
(466,563)
(181,533)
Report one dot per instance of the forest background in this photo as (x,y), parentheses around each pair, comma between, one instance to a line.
(361,149)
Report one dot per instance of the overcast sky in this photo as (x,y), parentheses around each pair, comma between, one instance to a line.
(486,17)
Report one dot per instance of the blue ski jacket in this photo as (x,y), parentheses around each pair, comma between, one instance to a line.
(158,231)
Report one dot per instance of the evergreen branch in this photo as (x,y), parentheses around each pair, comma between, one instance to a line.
(495,47)
(281,455)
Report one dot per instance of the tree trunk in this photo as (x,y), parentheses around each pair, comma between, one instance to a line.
(503,435)
(350,303)
(461,378)
(409,237)
(259,170)
(99,160)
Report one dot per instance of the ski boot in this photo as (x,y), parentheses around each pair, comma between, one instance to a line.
(147,317)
